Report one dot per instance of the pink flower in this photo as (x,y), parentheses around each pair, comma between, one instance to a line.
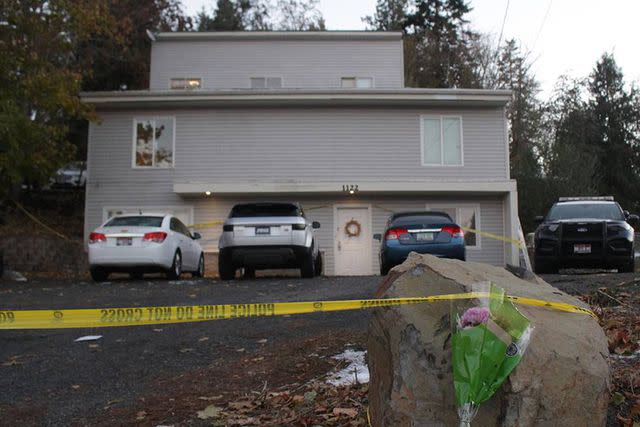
(474,316)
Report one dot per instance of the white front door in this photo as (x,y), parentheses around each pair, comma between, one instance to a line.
(352,241)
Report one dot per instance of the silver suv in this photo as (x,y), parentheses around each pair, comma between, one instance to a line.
(258,236)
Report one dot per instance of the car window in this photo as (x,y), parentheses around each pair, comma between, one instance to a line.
(264,209)
(184,229)
(173,225)
(562,211)
(135,221)
(420,219)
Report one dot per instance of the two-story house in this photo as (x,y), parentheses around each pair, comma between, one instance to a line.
(321,118)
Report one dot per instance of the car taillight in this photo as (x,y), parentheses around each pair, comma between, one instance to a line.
(454,230)
(97,237)
(156,237)
(395,233)
(227,227)
(298,226)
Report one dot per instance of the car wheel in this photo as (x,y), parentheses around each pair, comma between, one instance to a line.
(99,274)
(200,271)
(249,273)
(225,268)
(136,276)
(544,267)
(307,267)
(629,267)
(384,269)
(175,270)
(318,265)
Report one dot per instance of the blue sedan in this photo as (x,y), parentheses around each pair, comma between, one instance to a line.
(432,233)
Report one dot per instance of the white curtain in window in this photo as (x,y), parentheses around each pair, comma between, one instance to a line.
(431,153)
(451,141)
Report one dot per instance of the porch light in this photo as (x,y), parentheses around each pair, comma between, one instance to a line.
(352,191)
(207,193)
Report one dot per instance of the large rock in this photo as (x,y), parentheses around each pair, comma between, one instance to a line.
(562,379)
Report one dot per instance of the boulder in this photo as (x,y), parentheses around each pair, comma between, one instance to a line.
(562,379)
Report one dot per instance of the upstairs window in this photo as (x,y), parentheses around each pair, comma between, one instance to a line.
(356,82)
(184,84)
(441,140)
(154,142)
(266,82)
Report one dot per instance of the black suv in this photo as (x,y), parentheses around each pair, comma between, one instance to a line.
(585,232)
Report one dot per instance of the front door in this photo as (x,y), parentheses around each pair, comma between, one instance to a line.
(352,241)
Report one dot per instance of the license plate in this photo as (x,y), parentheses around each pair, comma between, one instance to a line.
(123,241)
(421,237)
(582,248)
(263,230)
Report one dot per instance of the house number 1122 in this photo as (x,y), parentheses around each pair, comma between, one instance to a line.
(350,188)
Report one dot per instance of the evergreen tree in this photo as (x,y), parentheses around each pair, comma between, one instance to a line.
(615,140)
(443,43)
(390,15)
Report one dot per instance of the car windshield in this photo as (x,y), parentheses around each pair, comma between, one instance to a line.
(135,221)
(585,210)
(264,209)
(423,220)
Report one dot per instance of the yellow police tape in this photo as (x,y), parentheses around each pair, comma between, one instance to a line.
(133,316)
(494,236)
(470,230)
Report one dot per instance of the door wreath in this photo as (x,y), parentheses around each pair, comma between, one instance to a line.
(352,228)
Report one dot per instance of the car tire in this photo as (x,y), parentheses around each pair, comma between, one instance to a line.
(136,276)
(629,267)
(318,265)
(225,268)
(544,267)
(200,271)
(175,270)
(384,269)
(307,268)
(99,274)
(249,273)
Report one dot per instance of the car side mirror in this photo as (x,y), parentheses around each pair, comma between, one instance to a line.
(538,219)
(633,218)
(377,237)
(626,214)
(315,225)
(196,236)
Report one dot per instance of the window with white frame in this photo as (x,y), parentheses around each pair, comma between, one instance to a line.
(183,84)
(356,82)
(154,142)
(184,214)
(266,82)
(466,216)
(441,139)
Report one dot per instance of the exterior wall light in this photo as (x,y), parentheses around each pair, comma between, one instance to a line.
(207,193)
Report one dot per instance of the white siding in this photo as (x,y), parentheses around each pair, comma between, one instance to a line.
(301,63)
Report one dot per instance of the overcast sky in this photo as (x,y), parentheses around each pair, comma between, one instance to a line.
(564,36)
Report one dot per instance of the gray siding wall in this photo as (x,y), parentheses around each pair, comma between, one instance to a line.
(301,64)
(310,145)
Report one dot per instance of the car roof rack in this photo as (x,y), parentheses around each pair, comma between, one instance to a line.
(586,198)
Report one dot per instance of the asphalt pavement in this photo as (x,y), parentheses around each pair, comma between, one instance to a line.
(48,379)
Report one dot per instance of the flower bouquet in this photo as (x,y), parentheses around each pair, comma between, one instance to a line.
(488,342)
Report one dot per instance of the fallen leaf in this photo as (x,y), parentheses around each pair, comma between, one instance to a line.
(75,387)
(211,411)
(240,350)
(141,415)
(218,397)
(203,339)
(262,341)
(349,412)
(239,405)
(310,396)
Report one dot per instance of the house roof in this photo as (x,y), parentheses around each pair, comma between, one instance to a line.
(405,97)
(277,35)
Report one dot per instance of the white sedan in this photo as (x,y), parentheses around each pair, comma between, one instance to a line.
(146,243)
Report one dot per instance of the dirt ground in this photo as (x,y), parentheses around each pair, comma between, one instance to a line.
(257,373)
